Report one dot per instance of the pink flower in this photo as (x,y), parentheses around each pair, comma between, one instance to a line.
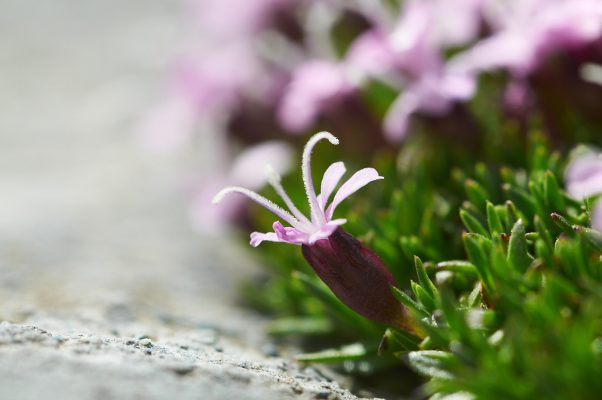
(236,19)
(526,32)
(410,57)
(584,179)
(245,170)
(314,87)
(203,89)
(354,273)
(433,94)
(320,225)
(371,54)
(584,176)
(428,27)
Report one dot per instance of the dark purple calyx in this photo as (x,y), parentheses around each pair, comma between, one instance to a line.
(358,277)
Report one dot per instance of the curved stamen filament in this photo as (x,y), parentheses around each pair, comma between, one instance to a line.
(274,180)
(316,215)
(274,208)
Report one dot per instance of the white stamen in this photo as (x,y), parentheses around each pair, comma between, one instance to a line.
(274,180)
(316,215)
(274,208)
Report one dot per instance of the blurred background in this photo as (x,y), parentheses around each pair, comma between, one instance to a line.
(94,227)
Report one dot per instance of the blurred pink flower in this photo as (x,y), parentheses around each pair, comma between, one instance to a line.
(413,39)
(584,179)
(417,43)
(427,28)
(221,68)
(584,175)
(315,86)
(409,55)
(235,19)
(247,170)
(320,225)
(371,54)
(527,31)
(204,88)
(433,94)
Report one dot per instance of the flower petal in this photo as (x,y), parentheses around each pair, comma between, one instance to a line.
(597,216)
(360,179)
(326,230)
(314,86)
(331,179)
(258,237)
(584,176)
(248,167)
(398,116)
(289,235)
(259,199)
(317,216)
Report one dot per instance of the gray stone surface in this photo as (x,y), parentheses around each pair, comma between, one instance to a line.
(105,290)
(188,363)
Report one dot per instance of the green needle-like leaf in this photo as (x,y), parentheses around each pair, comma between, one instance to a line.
(472,224)
(354,351)
(424,279)
(518,255)
(409,302)
(493,220)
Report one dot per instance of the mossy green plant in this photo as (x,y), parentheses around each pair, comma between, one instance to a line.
(503,282)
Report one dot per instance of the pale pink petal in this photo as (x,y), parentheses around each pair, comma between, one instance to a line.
(248,168)
(316,214)
(259,199)
(371,54)
(320,202)
(458,86)
(315,85)
(436,93)
(325,230)
(360,179)
(235,19)
(331,179)
(433,94)
(398,116)
(566,25)
(205,216)
(457,21)
(597,217)
(584,176)
(289,235)
(411,40)
(258,237)
(511,50)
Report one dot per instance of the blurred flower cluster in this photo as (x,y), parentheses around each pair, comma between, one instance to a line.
(376,70)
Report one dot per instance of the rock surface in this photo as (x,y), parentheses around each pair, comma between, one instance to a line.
(105,290)
(184,363)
